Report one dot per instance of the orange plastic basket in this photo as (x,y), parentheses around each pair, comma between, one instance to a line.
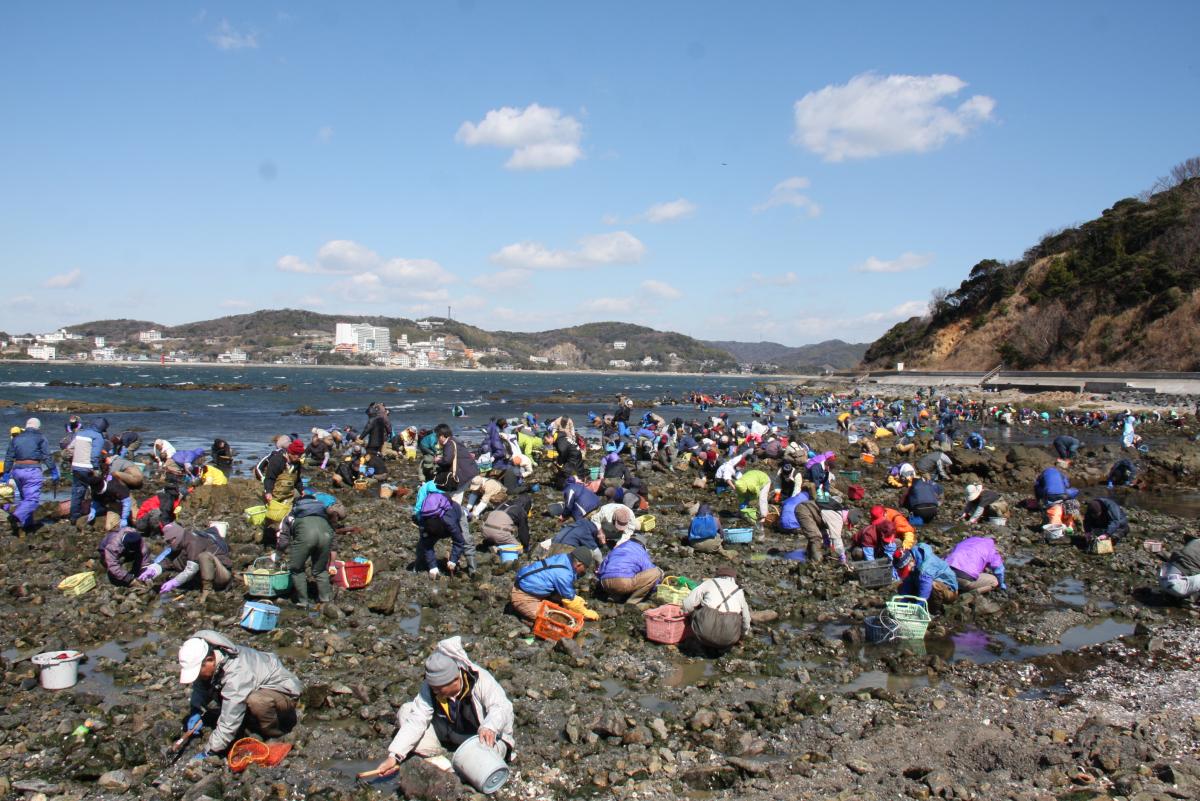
(554,622)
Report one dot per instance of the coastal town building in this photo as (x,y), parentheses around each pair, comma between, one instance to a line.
(153,335)
(234,356)
(43,352)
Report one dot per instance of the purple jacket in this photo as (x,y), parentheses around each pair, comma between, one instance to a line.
(113,552)
(625,561)
(974,555)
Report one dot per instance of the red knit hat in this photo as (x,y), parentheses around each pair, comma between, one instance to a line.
(876,513)
(296,447)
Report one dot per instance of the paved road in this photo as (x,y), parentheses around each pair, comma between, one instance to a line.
(1164,383)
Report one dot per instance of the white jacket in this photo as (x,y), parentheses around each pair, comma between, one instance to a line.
(709,594)
(492,706)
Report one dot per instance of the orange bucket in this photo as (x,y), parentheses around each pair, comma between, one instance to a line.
(868,458)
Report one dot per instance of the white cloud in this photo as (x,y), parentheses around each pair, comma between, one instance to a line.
(325,134)
(670,211)
(607,305)
(901,264)
(661,290)
(366,277)
(541,138)
(502,278)
(610,219)
(618,247)
(874,115)
(785,279)
(787,193)
(226,37)
(64,280)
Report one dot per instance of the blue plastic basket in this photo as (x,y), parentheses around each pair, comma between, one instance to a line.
(259,616)
(739,536)
(508,553)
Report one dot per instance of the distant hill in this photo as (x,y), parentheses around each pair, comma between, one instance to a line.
(832,352)
(269,334)
(1120,292)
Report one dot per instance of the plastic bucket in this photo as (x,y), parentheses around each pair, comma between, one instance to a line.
(58,669)
(480,766)
(259,616)
(508,553)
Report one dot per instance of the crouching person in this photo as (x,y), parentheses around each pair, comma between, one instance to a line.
(457,701)
(551,579)
(200,553)
(718,611)
(627,574)
(125,554)
(255,691)
(1180,576)
(929,576)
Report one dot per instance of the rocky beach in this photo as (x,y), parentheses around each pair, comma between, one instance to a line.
(1081,682)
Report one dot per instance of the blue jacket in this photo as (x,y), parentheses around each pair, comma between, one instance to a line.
(581,532)
(552,575)
(625,561)
(929,568)
(1053,485)
(787,512)
(28,446)
(95,432)
(703,527)
(579,501)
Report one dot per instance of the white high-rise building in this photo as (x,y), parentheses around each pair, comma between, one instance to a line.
(373,339)
(343,334)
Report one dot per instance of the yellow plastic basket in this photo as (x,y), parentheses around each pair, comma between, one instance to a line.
(77,584)
(255,515)
(646,523)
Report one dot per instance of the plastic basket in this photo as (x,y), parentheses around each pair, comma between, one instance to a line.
(361,484)
(255,515)
(77,584)
(259,616)
(269,582)
(594,473)
(646,523)
(1153,546)
(867,458)
(911,614)
(873,573)
(879,628)
(673,589)
(353,575)
(853,476)
(739,536)
(666,624)
(554,622)
(249,751)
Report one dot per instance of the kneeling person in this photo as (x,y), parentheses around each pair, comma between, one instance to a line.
(255,691)
(627,574)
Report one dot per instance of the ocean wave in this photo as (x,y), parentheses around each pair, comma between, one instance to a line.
(215,405)
(22,383)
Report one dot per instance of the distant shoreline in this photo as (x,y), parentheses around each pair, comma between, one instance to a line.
(482,371)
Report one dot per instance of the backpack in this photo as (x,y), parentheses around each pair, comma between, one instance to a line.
(216,539)
(435,505)
(715,628)
(703,527)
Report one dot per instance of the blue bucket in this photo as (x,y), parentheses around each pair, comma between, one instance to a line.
(259,616)
(739,536)
(508,553)
(916,520)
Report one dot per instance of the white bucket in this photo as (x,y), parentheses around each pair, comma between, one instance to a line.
(59,669)
(479,766)
(222,528)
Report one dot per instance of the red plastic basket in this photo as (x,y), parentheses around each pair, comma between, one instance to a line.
(554,622)
(352,575)
(666,624)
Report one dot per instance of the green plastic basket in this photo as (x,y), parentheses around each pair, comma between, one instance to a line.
(911,614)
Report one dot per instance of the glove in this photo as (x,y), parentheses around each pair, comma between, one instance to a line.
(168,587)
(579,607)
(55,475)
(150,573)
(192,720)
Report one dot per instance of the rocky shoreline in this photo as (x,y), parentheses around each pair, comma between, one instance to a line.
(1005,699)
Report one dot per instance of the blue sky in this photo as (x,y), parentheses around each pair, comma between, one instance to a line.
(787,171)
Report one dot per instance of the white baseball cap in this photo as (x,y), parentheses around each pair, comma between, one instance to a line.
(974,491)
(191,655)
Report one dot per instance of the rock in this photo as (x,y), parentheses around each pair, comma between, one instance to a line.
(382,600)
(703,719)
(639,735)
(118,780)
(611,724)
(36,786)
(753,767)
(859,766)
(658,725)
(764,616)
